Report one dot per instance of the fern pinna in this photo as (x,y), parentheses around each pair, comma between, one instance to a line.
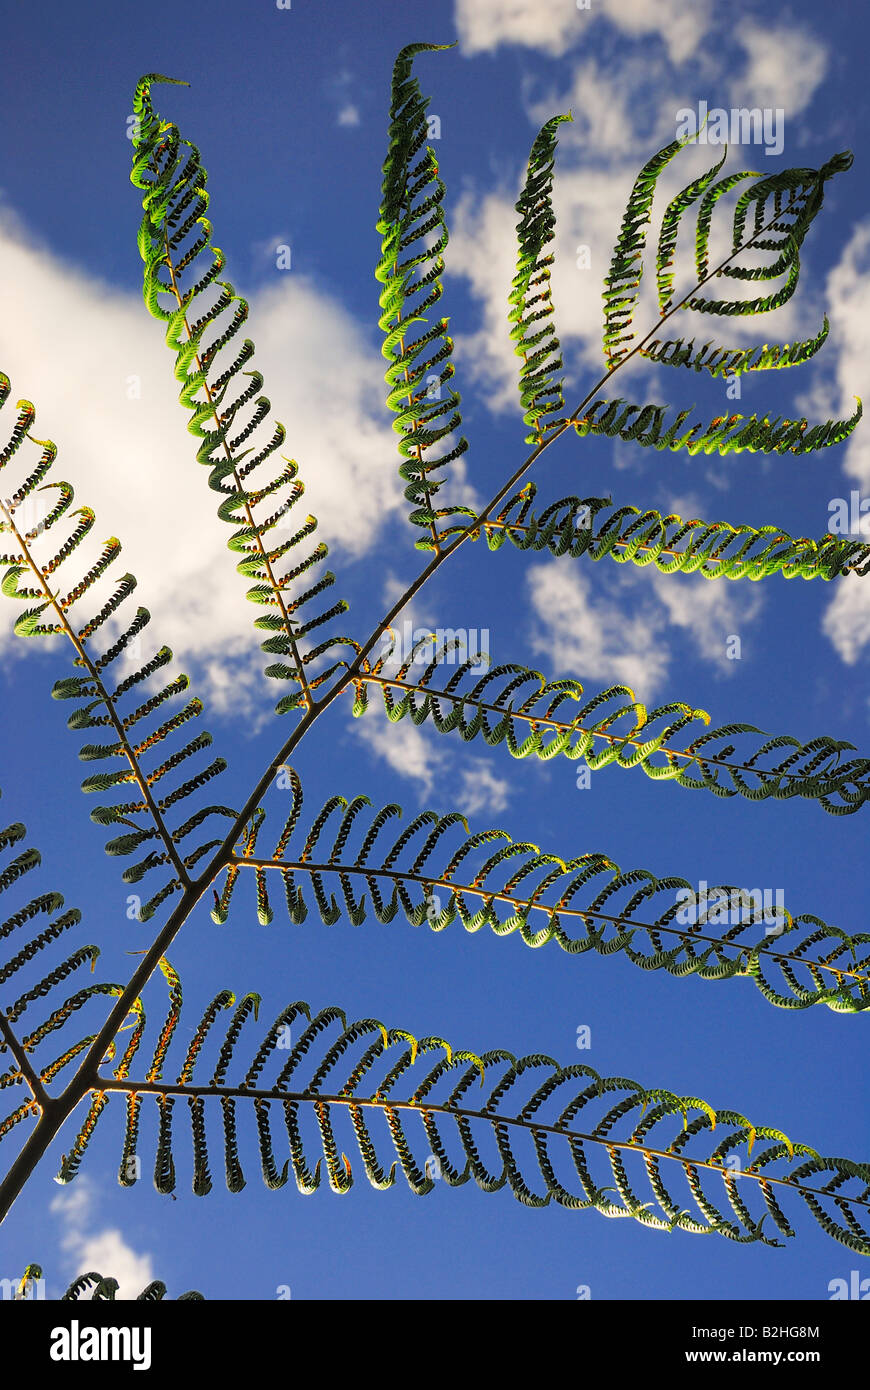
(310,1082)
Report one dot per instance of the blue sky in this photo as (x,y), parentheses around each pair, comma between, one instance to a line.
(289,108)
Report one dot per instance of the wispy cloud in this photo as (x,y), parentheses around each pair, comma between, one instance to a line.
(484,25)
(445,778)
(597,640)
(785,64)
(87,1248)
(846,621)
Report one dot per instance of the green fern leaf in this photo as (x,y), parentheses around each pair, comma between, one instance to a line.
(582,1127)
(174,237)
(420,366)
(530,298)
(38,559)
(578,526)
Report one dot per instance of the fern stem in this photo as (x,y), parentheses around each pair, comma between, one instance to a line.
(53,1116)
(26,1067)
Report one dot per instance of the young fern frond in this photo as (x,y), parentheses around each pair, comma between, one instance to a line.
(516,888)
(726,434)
(805,190)
(645,537)
(714,549)
(590,1140)
(30,578)
(796,196)
(227,411)
(420,366)
(733,362)
(530,298)
(536,725)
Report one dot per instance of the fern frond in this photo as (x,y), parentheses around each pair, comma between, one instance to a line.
(584,1140)
(623,279)
(530,298)
(803,191)
(226,411)
(420,366)
(107,1288)
(536,725)
(517,888)
(670,229)
(733,362)
(726,434)
(31,568)
(714,549)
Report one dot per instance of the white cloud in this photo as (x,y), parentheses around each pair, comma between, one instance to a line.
(609,112)
(554,27)
(104,1251)
(349,115)
(447,777)
(481,790)
(593,640)
(784,67)
(679,25)
(846,622)
(80,349)
(708,610)
(600,641)
(402,746)
(485,24)
(271,251)
(847,304)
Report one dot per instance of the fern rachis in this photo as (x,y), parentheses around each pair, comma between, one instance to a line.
(585,902)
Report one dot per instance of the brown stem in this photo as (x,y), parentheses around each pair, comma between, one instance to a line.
(25,1065)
